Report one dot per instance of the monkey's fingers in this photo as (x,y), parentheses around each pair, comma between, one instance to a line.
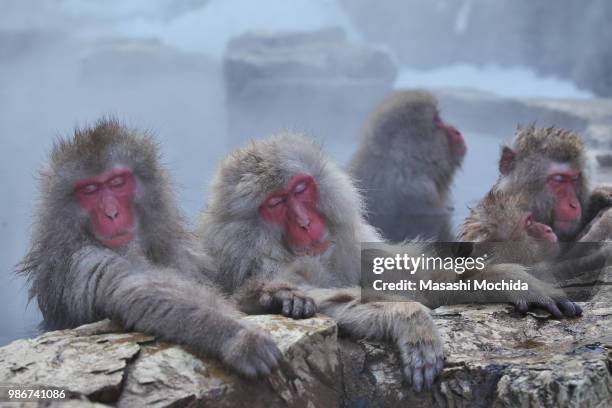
(521,306)
(569,309)
(255,355)
(310,308)
(298,307)
(422,364)
(549,306)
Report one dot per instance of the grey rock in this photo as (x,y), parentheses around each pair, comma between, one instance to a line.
(563,38)
(494,357)
(99,363)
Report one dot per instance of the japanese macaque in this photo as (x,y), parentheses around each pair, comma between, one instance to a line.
(285,226)
(110,243)
(549,166)
(501,217)
(405,164)
(502,225)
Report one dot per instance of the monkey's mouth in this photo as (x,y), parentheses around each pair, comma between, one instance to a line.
(313,249)
(118,239)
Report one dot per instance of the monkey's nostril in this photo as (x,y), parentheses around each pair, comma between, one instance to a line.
(304,224)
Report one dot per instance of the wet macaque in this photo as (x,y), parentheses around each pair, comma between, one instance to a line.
(548,165)
(405,165)
(285,226)
(111,243)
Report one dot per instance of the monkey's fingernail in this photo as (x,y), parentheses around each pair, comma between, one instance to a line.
(287,307)
(578,310)
(408,375)
(298,308)
(521,306)
(554,310)
(417,380)
(429,377)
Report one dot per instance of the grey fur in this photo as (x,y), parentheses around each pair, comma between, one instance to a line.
(253,261)
(404,168)
(158,284)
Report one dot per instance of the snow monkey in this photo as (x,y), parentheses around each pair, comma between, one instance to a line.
(110,243)
(504,217)
(405,164)
(549,166)
(285,225)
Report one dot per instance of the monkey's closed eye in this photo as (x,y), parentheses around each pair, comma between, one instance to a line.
(558,178)
(274,201)
(117,181)
(89,189)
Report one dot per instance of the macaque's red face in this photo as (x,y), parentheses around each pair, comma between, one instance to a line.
(108,199)
(456,143)
(295,210)
(564,183)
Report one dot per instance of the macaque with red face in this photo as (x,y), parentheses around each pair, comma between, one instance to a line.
(111,243)
(294,210)
(108,200)
(405,165)
(548,165)
(285,226)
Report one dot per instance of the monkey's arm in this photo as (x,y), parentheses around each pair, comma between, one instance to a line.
(599,200)
(538,293)
(163,303)
(599,229)
(408,324)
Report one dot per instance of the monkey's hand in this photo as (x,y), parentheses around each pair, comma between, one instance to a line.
(257,297)
(543,296)
(421,351)
(287,299)
(251,353)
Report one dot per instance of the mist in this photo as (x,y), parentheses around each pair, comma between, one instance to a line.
(159,66)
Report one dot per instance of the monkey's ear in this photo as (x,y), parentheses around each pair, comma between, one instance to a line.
(506,162)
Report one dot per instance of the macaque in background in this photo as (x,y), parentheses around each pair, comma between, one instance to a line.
(285,226)
(111,243)
(405,165)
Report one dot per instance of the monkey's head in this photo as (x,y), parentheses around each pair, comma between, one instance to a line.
(408,124)
(288,192)
(549,165)
(104,183)
(505,218)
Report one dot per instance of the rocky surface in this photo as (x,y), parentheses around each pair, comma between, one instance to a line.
(316,82)
(100,364)
(494,358)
